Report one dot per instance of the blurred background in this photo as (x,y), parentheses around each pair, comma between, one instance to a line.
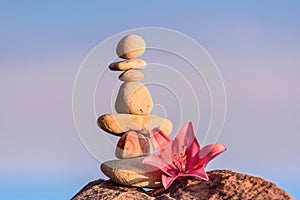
(255,45)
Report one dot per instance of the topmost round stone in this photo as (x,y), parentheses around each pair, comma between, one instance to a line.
(131,46)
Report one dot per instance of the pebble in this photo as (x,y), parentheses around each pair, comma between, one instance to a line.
(131,46)
(118,124)
(134,98)
(127,65)
(131,172)
(131,75)
(133,144)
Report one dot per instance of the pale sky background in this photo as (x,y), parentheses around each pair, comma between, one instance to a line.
(255,44)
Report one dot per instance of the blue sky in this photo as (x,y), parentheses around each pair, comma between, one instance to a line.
(255,44)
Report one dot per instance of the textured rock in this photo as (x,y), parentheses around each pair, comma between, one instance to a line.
(131,46)
(223,184)
(117,124)
(134,98)
(132,172)
(133,144)
(131,75)
(127,65)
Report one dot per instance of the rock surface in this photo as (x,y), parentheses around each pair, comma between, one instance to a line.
(134,98)
(132,172)
(127,65)
(223,184)
(117,124)
(133,144)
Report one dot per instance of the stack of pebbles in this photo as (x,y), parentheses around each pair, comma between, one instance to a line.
(133,122)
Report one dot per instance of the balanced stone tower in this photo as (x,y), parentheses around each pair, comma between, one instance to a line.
(133,121)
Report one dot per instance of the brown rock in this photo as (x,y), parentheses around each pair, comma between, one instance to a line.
(133,144)
(223,184)
(134,98)
(127,65)
(118,124)
(131,172)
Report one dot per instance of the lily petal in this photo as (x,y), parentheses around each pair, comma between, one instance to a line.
(162,144)
(166,154)
(209,152)
(159,139)
(192,153)
(199,173)
(168,180)
(184,139)
(156,161)
(198,176)
(187,141)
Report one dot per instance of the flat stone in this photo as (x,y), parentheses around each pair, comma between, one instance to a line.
(128,64)
(131,46)
(133,144)
(131,75)
(131,172)
(118,124)
(134,98)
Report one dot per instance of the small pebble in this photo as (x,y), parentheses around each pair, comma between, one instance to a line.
(131,75)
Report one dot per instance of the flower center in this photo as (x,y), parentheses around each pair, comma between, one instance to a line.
(180,160)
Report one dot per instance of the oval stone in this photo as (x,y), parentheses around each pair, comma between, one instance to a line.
(131,172)
(131,75)
(131,46)
(134,98)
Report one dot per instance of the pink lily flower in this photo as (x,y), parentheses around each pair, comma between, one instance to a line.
(181,157)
